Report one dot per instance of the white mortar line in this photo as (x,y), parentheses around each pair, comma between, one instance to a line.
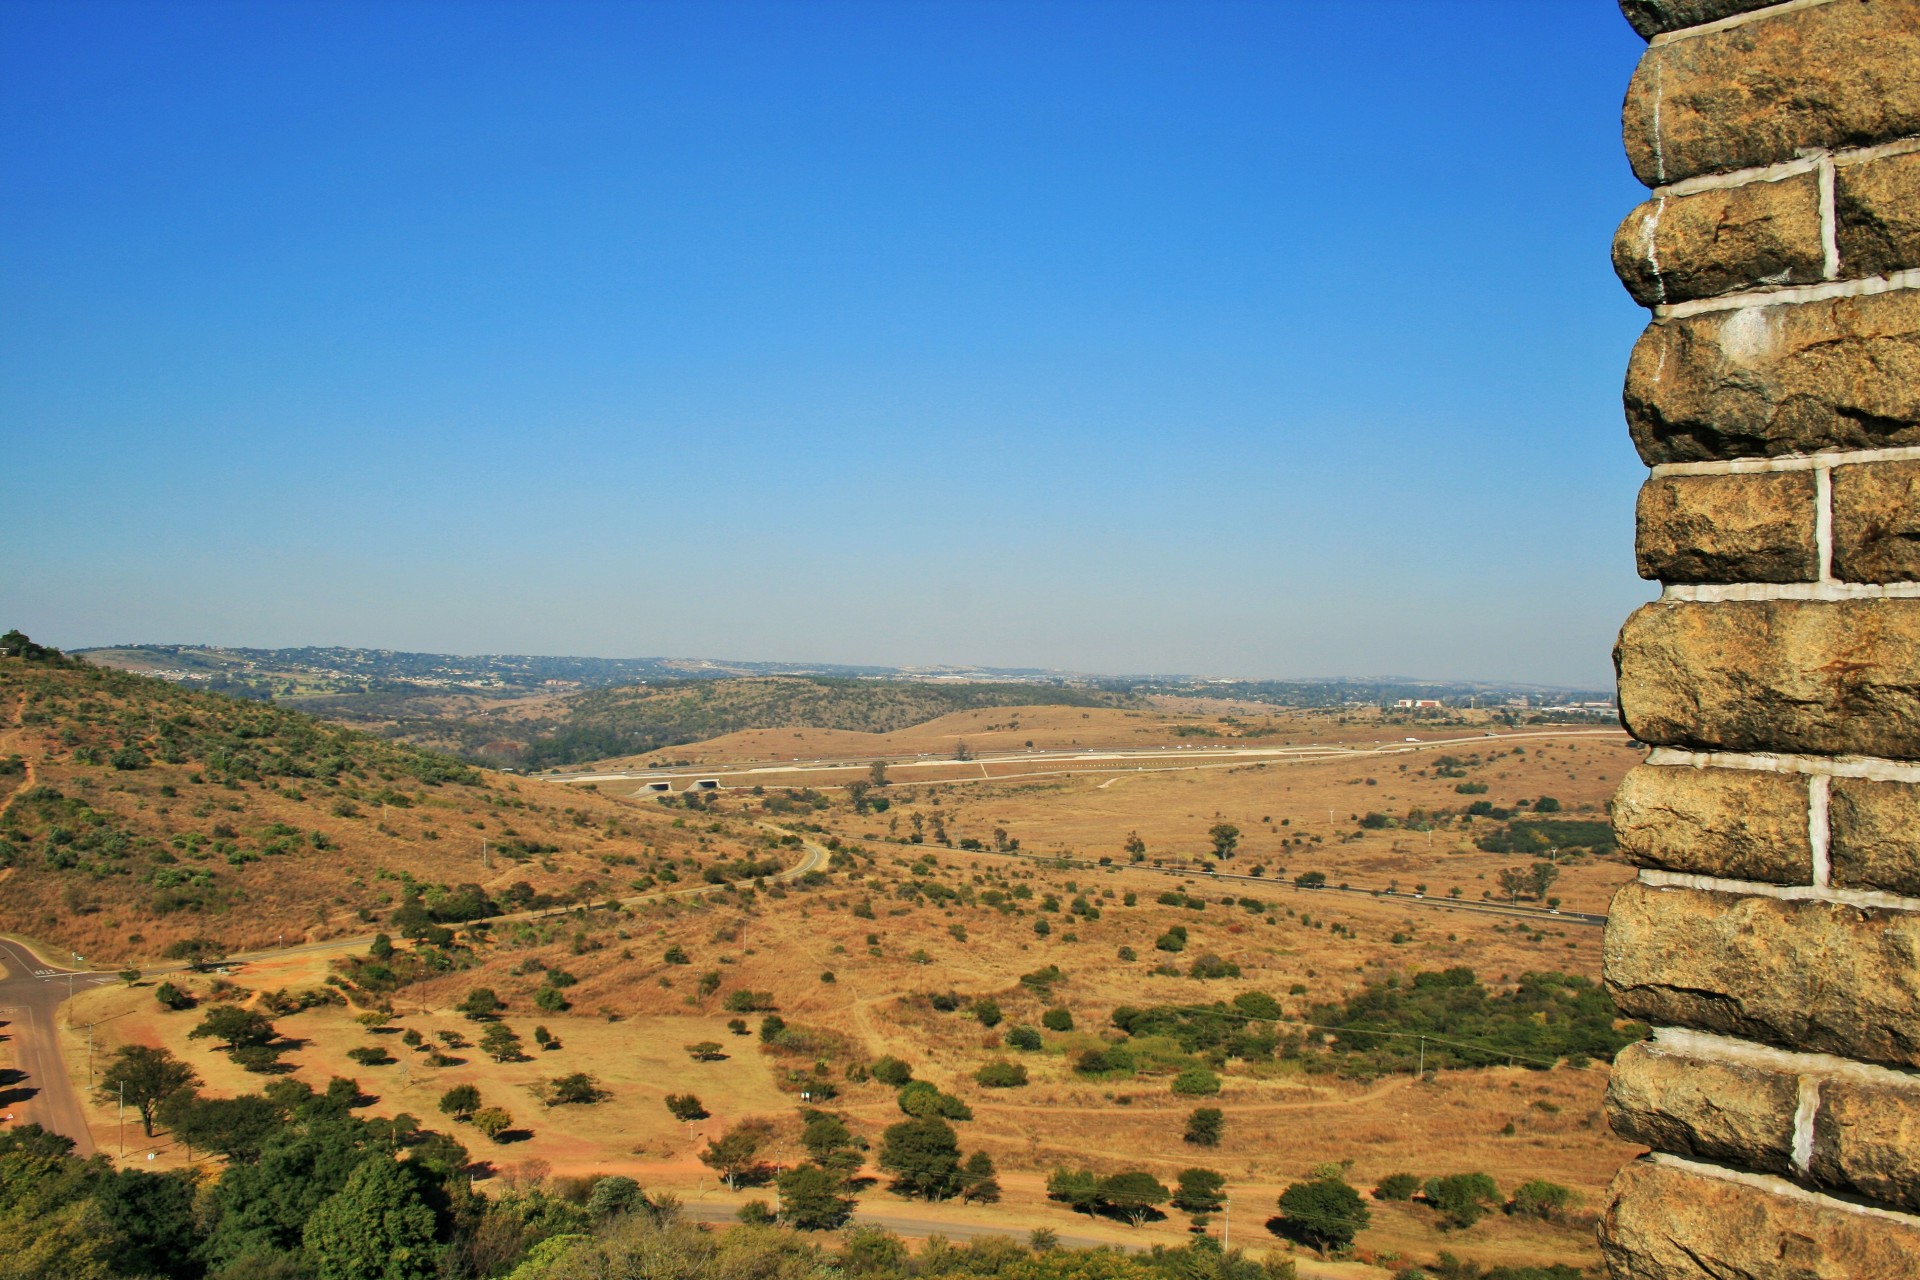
(1734,20)
(1863,899)
(1870,768)
(1803,1118)
(1649,229)
(1819,831)
(1823,520)
(1829,226)
(1778,1186)
(1788,462)
(1688,1042)
(1787,295)
(1793,168)
(1829,591)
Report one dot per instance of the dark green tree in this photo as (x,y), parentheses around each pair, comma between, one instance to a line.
(378,1226)
(1322,1212)
(979,1180)
(1200,1191)
(924,1157)
(1203,1126)
(144,1078)
(235,1027)
(813,1199)
(1134,1195)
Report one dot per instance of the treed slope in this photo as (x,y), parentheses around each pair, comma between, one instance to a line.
(638,718)
(135,813)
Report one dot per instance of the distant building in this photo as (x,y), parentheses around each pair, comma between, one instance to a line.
(1416,704)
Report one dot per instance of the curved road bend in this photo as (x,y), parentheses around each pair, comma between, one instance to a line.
(34,1088)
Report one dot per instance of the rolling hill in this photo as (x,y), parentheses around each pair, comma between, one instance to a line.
(135,813)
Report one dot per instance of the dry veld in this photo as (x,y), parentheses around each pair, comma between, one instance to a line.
(633,1012)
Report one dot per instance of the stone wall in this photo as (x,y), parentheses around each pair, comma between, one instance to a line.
(1772,937)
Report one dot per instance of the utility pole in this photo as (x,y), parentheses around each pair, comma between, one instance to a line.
(123,1120)
(1421,1073)
(1226,1228)
(89,1055)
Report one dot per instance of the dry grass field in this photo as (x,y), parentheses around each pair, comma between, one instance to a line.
(1050,898)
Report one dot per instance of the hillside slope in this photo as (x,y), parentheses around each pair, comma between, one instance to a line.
(639,718)
(135,813)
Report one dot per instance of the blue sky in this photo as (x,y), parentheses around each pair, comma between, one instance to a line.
(1239,339)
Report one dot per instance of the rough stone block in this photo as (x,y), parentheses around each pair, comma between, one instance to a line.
(1801,974)
(1837,75)
(1866,1139)
(1702,1108)
(1664,1223)
(1827,677)
(1741,824)
(1741,528)
(1876,522)
(1876,206)
(1792,378)
(1674,248)
(1651,17)
(1875,835)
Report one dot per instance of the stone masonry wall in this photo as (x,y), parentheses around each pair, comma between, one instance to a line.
(1772,937)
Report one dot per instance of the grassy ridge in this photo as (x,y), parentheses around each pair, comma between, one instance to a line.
(640,718)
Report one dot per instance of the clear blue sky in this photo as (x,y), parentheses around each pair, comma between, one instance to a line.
(1239,339)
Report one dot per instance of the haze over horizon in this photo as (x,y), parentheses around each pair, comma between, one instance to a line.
(1103,338)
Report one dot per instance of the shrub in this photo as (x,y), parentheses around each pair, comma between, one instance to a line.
(1057,1019)
(1397,1186)
(369,1055)
(1203,1126)
(987,1012)
(1539,1198)
(1196,1082)
(1023,1038)
(1001,1074)
(891,1071)
(686,1106)
(493,1121)
(172,997)
(1462,1198)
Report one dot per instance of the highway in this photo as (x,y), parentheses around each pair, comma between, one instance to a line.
(34,1088)
(1064,760)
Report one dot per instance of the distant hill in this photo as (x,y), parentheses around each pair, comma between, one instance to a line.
(135,812)
(628,721)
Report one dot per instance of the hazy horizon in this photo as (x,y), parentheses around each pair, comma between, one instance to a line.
(1105,338)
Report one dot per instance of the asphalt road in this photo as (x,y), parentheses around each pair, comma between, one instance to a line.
(34,1088)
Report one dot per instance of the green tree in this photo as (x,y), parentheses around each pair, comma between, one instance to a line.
(550,1000)
(1201,1191)
(501,1043)
(493,1121)
(686,1106)
(145,1078)
(1325,1213)
(1203,1126)
(614,1194)
(377,1227)
(813,1199)
(571,1090)
(1225,837)
(924,1157)
(1397,1186)
(979,1180)
(480,1004)
(733,1154)
(235,1027)
(460,1102)
(1133,1195)
(877,773)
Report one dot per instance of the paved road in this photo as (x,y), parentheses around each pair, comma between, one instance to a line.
(34,1087)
